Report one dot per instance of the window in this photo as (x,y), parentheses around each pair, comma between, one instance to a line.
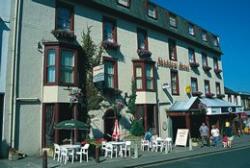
(229,98)
(60,65)
(174,82)
(149,77)
(204,36)
(144,75)
(204,59)
(67,66)
(216,64)
(207,87)
(236,100)
(142,39)
(172,50)
(125,3)
(216,41)
(194,85)
(172,21)
(191,29)
(152,10)
(48,124)
(51,66)
(109,30)
(191,55)
(64,17)
(217,85)
(111,78)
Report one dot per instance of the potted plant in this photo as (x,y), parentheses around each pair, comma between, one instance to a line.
(195,142)
(13,154)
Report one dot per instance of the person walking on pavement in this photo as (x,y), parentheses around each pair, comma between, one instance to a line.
(228,131)
(204,133)
(215,135)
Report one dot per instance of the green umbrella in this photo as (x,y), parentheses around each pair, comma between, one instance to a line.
(71,124)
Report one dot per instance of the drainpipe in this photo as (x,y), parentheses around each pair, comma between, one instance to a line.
(14,55)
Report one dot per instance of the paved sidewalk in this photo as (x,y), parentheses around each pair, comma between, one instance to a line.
(145,158)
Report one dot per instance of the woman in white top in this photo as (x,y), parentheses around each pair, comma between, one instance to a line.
(215,135)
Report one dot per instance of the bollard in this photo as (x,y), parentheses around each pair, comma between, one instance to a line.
(190,144)
(135,151)
(45,159)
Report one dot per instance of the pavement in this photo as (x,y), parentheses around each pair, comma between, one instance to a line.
(145,157)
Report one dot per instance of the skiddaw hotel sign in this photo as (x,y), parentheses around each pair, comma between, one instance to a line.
(172,65)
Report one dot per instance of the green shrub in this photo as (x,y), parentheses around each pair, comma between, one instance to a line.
(137,128)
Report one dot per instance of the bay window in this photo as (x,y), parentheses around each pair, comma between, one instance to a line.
(60,65)
(111,78)
(144,75)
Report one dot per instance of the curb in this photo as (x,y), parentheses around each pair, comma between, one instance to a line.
(188,156)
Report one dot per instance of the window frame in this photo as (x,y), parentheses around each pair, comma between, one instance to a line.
(173,16)
(144,32)
(143,64)
(193,79)
(174,72)
(216,64)
(193,55)
(215,41)
(71,10)
(172,46)
(112,21)
(206,82)
(217,84)
(204,36)
(190,25)
(121,4)
(115,65)
(58,54)
(155,10)
(204,57)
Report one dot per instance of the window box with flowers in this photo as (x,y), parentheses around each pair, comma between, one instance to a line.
(196,93)
(144,53)
(109,45)
(217,71)
(220,96)
(209,95)
(206,68)
(64,34)
(194,64)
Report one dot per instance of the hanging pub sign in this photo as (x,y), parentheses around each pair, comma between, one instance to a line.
(98,73)
(172,65)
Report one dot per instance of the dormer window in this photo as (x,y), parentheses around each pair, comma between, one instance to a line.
(125,3)
(191,29)
(204,36)
(64,17)
(172,21)
(216,41)
(152,11)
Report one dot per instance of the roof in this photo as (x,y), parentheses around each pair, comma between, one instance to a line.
(230,91)
(216,102)
(138,11)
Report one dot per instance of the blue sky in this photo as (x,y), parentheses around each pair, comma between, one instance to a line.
(230,19)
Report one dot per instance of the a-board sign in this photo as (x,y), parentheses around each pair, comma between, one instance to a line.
(181,137)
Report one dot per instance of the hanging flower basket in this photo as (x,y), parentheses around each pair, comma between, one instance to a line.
(206,68)
(220,96)
(64,34)
(209,95)
(197,93)
(144,53)
(217,71)
(108,45)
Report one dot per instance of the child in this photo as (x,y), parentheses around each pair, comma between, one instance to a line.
(225,141)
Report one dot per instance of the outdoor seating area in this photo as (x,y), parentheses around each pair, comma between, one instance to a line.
(157,144)
(64,153)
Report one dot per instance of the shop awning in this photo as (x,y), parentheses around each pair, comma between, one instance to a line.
(216,103)
(183,105)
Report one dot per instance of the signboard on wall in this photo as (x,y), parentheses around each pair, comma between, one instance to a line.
(181,137)
(98,73)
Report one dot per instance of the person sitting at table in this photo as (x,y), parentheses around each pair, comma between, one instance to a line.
(148,135)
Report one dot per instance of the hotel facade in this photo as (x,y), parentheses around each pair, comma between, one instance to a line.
(175,64)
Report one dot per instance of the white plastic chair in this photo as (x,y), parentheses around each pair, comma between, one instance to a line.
(84,151)
(57,151)
(169,144)
(64,155)
(126,148)
(110,149)
(103,147)
(145,144)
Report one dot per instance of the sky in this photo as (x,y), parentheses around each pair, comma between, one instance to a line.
(230,19)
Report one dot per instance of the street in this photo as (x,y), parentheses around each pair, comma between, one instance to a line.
(238,158)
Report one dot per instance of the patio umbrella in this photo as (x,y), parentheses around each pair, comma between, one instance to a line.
(116,132)
(71,125)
